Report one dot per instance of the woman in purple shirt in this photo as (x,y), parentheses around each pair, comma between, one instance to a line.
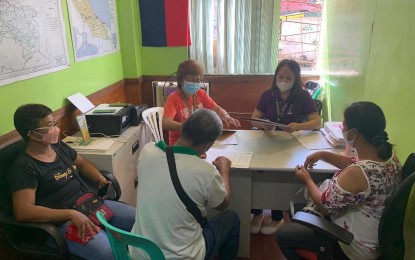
(287,103)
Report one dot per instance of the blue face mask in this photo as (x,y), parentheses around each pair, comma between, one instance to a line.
(191,87)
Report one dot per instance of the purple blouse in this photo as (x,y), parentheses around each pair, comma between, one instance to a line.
(267,104)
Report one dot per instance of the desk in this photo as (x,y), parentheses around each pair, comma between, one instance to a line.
(269,182)
(121,159)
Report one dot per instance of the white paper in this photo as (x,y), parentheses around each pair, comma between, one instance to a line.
(239,159)
(227,137)
(312,140)
(81,102)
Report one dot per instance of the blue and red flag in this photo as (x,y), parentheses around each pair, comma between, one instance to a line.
(165,23)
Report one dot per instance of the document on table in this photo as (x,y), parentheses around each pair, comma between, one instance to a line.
(312,140)
(239,159)
(227,137)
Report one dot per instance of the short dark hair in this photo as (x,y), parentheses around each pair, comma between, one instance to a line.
(202,127)
(27,118)
(294,67)
(186,68)
(368,119)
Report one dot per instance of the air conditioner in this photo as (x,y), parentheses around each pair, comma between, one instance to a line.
(162,89)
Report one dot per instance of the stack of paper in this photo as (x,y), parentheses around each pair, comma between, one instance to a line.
(333,133)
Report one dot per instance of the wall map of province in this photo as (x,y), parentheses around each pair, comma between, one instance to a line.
(32,39)
(94,27)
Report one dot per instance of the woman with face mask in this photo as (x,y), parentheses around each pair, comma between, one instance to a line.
(287,103)
(188,98)
(44,187)
(356,195)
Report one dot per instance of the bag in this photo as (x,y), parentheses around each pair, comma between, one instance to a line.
(310,207)
(89,204)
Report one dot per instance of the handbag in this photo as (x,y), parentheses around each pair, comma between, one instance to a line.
(310,207)
(191,206)
(89,203)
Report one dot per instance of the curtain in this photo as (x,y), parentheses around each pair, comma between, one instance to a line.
(247,35)
(201,31)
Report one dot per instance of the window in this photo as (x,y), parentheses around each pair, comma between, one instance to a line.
(250,36)
(300,32)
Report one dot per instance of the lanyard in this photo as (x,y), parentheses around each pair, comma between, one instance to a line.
(280,113)
(187,103)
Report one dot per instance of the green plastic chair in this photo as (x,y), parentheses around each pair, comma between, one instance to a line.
(120,239)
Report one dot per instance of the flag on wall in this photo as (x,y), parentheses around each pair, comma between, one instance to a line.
(165,23)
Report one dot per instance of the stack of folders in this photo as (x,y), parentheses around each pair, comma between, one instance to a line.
(332,131)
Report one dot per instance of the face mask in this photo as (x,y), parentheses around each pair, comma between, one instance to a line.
(191,87)
(352,149)
(52,137)
(284,86)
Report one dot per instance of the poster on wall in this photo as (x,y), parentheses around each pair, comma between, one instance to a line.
(32,39)
(94,28)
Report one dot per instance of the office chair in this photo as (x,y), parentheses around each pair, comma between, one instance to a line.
(314,88)
(391,226)
(28,239)
(120,239)
(153,116)
(319,106)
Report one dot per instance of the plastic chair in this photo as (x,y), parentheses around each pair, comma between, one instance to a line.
(120,239)
(153,116)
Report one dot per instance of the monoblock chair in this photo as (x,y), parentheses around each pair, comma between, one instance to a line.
(391,226)
(27,240)
(120,240)
(153,116)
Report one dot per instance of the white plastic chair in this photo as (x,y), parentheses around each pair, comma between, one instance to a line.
(153,116)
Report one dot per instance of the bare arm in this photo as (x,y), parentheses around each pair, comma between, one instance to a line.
(312,122)
(169,124)
(88,170)
(258,114)
(25,210)
(338,160)
(226,118)
(223,165)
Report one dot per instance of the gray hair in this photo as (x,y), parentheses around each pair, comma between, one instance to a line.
(202,127)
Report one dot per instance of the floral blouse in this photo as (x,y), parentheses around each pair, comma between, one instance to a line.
(360,213)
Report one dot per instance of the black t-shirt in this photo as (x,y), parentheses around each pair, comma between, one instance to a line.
(55,183)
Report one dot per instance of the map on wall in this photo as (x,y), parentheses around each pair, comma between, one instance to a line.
(32,39)
(94,28)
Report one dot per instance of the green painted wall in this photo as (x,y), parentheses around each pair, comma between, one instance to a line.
(86,77)
(162,61)
(376,64)
(369,55)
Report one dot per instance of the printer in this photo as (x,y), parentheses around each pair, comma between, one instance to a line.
(112,120)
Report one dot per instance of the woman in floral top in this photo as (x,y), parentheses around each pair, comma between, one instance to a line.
(356,195)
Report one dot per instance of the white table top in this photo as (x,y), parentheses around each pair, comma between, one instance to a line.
(273,151)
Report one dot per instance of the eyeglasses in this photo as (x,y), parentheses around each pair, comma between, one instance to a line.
(46,129)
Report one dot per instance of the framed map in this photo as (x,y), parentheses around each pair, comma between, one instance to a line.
(32,39)
(94,28)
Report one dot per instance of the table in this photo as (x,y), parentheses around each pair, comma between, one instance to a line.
(269,182)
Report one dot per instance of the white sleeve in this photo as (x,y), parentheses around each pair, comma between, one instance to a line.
(216,192)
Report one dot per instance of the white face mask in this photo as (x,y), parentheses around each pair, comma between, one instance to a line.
(284,86)
(352,149)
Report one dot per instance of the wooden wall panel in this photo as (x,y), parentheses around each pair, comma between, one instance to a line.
(238,94)
(67,115)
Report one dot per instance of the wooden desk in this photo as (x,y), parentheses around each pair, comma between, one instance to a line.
(269,182)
